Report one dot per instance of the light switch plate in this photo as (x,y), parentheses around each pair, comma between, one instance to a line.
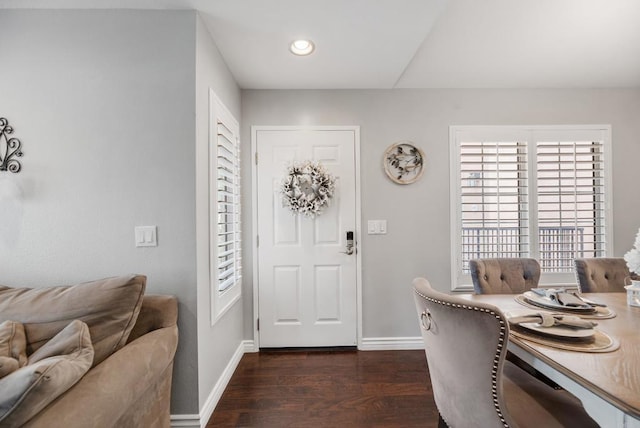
(377,227)
(146,236)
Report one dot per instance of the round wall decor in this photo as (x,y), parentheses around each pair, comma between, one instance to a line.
(403,162)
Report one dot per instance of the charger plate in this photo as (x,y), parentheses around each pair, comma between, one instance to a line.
(601,342)
(599,313)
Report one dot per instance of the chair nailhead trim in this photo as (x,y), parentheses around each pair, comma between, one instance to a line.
(496,358)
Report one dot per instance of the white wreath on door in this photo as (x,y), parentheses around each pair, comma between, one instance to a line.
(307,188)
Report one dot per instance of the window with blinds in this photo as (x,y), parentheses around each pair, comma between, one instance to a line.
(228,208)
(225,240)
(570,202)
(493,200)
(536,192)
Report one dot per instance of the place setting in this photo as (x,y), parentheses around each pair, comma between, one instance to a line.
(560,330)
(564,301)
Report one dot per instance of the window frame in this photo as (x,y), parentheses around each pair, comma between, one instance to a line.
(532,135)
(223,300)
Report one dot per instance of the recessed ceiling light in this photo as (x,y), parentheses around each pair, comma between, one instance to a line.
(301,47)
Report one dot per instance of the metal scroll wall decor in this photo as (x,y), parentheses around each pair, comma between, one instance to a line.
(10,148)
(403,162)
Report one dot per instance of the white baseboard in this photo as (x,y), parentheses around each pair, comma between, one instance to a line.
(185,421)
(250,346)
(391,343)
(200,421)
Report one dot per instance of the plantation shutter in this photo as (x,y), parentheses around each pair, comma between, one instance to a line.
(493,200)
(541,192)
(571,202)
(228,208)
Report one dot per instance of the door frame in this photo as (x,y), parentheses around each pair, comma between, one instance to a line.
(254,219)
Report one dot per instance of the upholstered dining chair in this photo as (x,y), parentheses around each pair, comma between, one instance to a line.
(473,385)
(601,274)
(504,275)
(508,276)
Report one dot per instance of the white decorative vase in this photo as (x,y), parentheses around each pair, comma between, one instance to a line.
(633,292)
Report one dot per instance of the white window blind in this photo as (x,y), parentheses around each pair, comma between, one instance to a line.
(228,208)
(538,192)
(225,239)
(493,200)
(571,202)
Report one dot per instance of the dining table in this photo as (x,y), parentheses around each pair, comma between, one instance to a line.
(607,383)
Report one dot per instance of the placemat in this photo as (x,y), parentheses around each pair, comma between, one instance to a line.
(600,313)
(602,342)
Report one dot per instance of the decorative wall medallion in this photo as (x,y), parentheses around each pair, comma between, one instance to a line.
(9,147)
(403,162)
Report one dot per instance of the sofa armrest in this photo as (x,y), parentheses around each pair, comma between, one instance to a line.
(107,393)
(157,311)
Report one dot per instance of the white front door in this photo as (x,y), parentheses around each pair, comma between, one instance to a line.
(307,294)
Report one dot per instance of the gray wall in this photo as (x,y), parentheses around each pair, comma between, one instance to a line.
(218,343)
(104,103)
(418,215)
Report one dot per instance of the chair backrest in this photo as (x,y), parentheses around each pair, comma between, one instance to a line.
(602,274)
(465,344)
(504,275)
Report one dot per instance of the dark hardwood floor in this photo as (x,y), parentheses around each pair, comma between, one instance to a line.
(321,388)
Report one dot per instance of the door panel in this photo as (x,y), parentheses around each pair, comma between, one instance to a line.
(327,289)
(286,296)
(306,283)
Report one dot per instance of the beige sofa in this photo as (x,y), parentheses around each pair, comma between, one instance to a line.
(111,368)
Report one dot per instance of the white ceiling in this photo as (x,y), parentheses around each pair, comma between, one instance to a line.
(415,43)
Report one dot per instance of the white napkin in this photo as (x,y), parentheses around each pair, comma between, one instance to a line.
(562,298)
(545,319)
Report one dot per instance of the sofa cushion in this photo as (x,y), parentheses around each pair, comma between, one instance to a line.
(109,307)
(29,389)
(8,365)
(13,347)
